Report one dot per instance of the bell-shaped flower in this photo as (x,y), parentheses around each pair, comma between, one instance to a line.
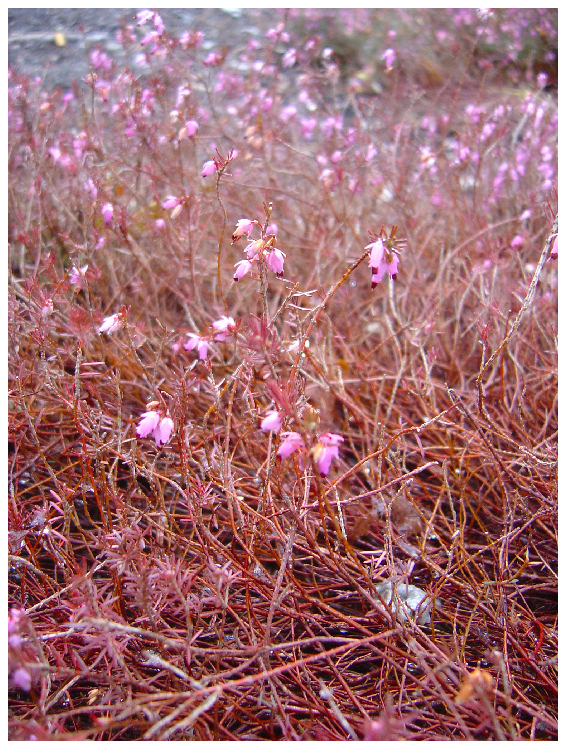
(275,260)
(376,255)
(271,422)
(201,345)
(158,426)
(111,324)
(387,266)
(252,250)
(163,431)
(244,226)
(208,168)
(326,450)
(149,422)
(292,441)
(243,267)
(225,327)
(107,211)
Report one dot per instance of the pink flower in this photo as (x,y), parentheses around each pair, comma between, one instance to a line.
(326,450)
(149,422)
(111,324)
(252,250)
(275,260)
(289,58)
(225,327)
(22,679)
(201,345)
(189,131)
(271,422)
(107,212)
(292,441)
(517,241)
(243,267)
(162,433)
(170,202)
(389,58)
(376,255)
(76,276)
(160,427)
(244,226)
(381,261)
(208,168)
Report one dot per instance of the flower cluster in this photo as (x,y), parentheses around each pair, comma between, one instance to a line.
(224,327)
(160,425)
(257,250)
(383,256)
(323,452)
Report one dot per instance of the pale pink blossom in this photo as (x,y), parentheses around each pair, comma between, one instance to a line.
(47,309)
(163,431)
(517,241)
(389,58)
(289,58)
(149,422)
(292,441)
(170,202)
(212,59)
(252,250)
(244,226)
(189,130)
(21,678)
(107,212)
(158,426)
(208,168)
(111,324)
(381,261)
(201,345)
(326,450)
(77,276)
(275,260)
(225,327)
(272,421)
(243,267)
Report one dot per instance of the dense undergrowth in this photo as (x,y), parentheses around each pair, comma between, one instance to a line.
(218,489)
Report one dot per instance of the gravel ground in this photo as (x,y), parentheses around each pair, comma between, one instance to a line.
(31,35)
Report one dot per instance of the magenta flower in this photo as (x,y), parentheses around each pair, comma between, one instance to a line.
(243,267)
(244,226)
(292,441)
(107,212)
(208,168)
(149,422)
(326,450)
(275,260)
(271,422)
(201,345)
(111,324)
(225,327)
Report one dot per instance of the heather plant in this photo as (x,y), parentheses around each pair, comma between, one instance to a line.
(282,383)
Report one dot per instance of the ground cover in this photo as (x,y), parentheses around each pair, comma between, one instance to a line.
(283,385)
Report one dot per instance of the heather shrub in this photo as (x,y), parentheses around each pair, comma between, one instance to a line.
(283,383)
